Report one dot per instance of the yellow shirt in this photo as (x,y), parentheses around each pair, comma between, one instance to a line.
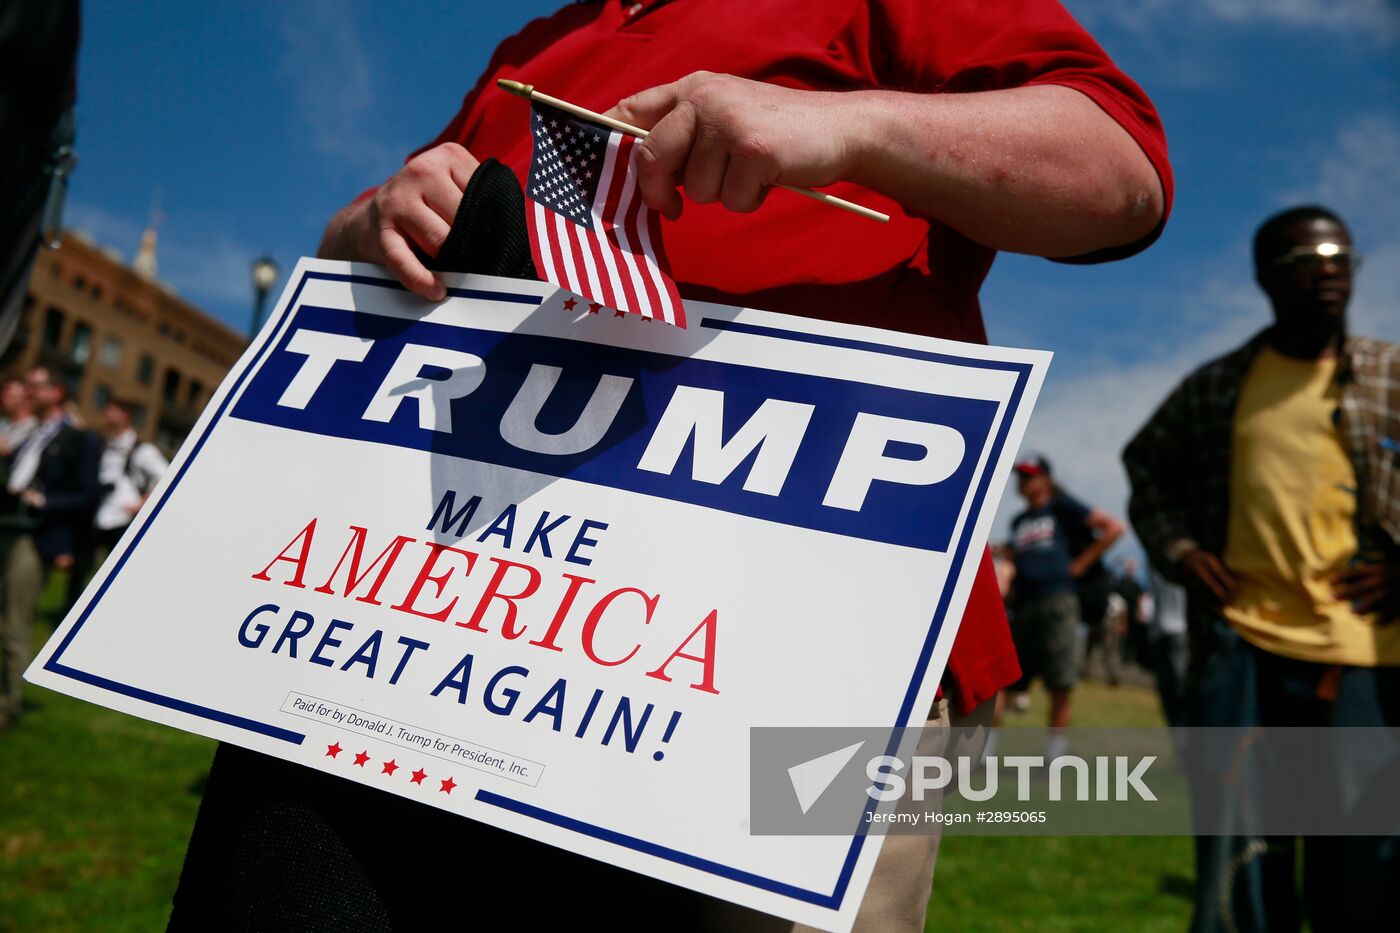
(1293,519)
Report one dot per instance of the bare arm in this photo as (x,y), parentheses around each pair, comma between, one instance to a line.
(1109,530)
(1038,170)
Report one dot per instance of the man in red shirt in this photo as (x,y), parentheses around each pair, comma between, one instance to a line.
(978,125)
(1011,129)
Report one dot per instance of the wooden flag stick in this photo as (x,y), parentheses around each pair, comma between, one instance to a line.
(528,92)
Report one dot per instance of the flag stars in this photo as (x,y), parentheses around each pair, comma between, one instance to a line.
(594,307)
(570,303)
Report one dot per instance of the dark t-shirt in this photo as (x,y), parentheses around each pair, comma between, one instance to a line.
(1041,545)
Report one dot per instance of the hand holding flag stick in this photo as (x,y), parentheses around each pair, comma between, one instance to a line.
(528,92)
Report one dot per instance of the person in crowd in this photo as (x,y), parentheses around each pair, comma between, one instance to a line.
(17,419)
(53,481)
(992,125)
(1165,608)
(1056,540)
(1267,484)
(129,470)
(1134,645)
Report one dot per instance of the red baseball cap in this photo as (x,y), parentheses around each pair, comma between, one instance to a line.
(1032,464)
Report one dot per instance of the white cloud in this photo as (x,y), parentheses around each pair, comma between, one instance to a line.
(208,270)
(332,74)
(1378,19)
(1085,417)
(1357,174)
(103,226)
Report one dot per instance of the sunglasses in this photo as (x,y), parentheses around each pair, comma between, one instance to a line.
(1313,258)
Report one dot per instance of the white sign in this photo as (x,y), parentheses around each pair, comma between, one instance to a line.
(545,568)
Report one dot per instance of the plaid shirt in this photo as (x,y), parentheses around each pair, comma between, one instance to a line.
(1179,463)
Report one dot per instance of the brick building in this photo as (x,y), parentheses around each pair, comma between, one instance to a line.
(113,331)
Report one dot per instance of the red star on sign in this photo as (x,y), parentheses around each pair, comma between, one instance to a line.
(333,750)
(390,767)
(418,776)
(594,307)
(447,786)
(619,314)
(361,758)
(569,304)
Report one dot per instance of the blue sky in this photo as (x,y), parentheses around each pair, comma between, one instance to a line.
(252,123)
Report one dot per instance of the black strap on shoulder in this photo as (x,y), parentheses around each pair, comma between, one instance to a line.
(488,235)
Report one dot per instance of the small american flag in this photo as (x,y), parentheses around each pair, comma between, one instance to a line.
(590,233)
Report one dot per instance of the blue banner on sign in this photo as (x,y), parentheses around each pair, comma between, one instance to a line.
(827,454)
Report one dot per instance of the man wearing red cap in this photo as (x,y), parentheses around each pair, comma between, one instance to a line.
(1058,544)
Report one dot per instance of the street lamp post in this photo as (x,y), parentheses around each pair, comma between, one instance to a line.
(264,277)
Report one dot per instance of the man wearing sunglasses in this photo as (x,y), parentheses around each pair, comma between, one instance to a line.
(1267,483)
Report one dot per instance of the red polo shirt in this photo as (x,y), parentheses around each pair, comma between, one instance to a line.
(793,255)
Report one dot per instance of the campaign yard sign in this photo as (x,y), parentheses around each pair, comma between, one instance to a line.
(542,565)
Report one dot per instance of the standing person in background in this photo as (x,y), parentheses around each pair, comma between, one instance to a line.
(1267,483)
(1167,645)
(53,475)
(129,470)
(1135,645)
(1100,605)
(17,419)
(1046,607)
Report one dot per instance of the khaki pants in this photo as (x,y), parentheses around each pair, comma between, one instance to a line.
(24,576)
(896,901)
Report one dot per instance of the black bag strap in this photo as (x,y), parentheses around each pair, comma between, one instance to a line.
(488,235)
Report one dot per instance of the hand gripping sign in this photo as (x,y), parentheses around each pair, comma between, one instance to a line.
(553,565)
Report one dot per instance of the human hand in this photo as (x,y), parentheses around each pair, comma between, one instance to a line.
(63,561)
(1367,586)
(33,498)
(1206,575)
(415,206)
(730,139)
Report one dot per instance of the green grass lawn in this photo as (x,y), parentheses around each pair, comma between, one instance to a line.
(1067,882)
(96,809)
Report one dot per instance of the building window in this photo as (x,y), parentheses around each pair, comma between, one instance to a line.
(171,390)
(101,395)
(53,327)
(111,355)
(82,344)
(196,391)
(80,283)
(138,416)
(96,293)
(146,370)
